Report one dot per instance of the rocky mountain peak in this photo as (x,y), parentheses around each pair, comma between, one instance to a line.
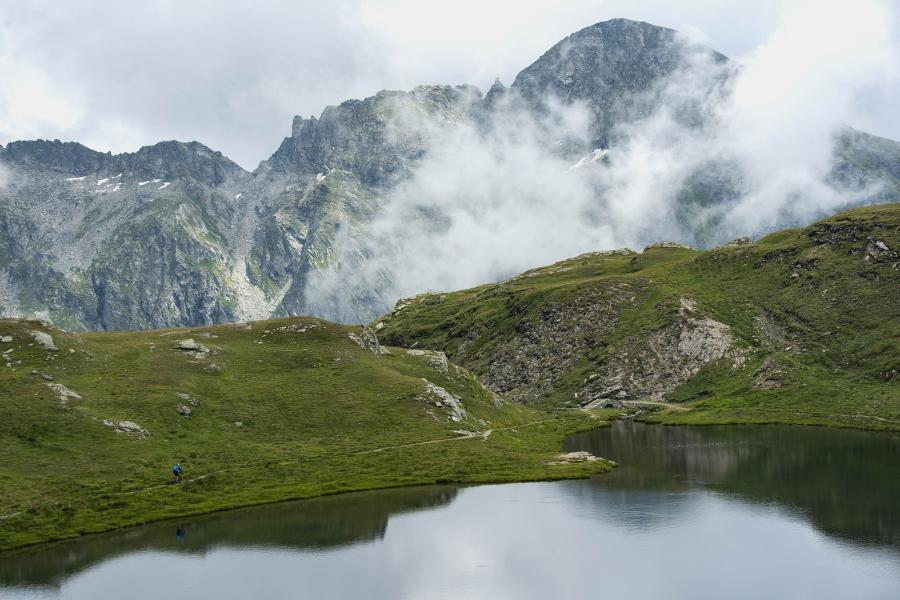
(168,160)
(373,137)
(495,93)
(174,160)
(614,66)
(64,157)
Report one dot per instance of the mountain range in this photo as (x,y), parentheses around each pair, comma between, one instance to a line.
(176,234)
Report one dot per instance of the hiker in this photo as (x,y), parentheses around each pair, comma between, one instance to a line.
(176,471)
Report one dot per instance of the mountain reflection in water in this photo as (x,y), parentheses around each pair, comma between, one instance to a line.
(846,482)
(315,524)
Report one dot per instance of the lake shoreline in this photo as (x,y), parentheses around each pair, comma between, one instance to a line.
(534,466)
(603,418)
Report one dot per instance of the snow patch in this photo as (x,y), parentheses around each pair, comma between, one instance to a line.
(593,157)
(320,176)
(76,178)
(165,185)
(102,181)
(237,196)
(143,183)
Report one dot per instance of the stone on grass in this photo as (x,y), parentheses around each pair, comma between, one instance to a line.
(127,427)
(63,393)
(44,339)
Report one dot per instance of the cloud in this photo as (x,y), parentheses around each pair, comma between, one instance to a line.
(485,205)
(795,90)
(29,101)
(225,73)
(231,74)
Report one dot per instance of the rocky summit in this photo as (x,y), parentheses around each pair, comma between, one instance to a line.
(176,234)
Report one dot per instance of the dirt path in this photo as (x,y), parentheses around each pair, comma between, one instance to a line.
(652,403)
(466,436)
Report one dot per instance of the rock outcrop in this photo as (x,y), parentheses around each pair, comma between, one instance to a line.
(44,339)
(126,427)
(444,401)
(546,347)
(650,367)
(367,340)
(64,395)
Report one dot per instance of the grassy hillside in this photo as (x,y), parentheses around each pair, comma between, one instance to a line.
(90,424)
(802,326)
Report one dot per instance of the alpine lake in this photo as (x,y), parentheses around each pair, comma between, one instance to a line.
(691,512)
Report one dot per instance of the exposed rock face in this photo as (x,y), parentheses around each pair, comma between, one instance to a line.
(377,138)
(547,347)
(652,367)
(615,67)
(103,241)
(368,341)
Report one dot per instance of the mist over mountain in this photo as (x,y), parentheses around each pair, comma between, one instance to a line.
(622,134)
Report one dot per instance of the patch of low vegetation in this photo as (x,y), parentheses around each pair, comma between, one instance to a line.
(91,423)
(802,326)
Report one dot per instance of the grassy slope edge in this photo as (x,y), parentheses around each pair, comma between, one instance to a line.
(281,409)
(814,314)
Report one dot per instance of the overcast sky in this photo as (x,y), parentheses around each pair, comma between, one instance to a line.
(116,75)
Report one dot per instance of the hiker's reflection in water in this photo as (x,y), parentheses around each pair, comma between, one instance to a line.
(180,532)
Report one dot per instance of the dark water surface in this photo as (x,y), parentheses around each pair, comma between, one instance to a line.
(692,512)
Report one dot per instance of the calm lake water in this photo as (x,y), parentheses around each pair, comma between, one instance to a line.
(692,512)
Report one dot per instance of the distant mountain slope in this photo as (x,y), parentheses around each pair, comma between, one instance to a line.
(116,241)
(177,234)
(802,326)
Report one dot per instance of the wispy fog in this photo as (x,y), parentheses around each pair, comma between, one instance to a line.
(489,201)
